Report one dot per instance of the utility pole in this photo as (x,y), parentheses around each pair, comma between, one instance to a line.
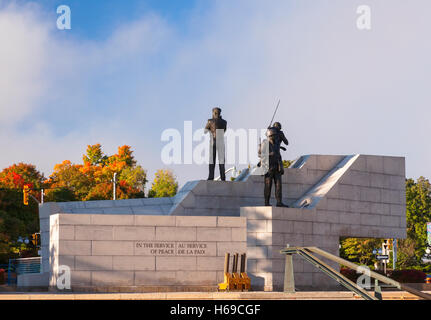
(394,253)
(114,181)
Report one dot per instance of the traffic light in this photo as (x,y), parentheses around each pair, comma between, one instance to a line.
(35,239)
(25,193)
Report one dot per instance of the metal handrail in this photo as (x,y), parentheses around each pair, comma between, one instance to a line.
(23,266)
(305,252)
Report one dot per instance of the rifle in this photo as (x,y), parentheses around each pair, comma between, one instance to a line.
(270,124)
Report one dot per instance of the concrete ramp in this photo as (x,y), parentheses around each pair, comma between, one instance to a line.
(318,191)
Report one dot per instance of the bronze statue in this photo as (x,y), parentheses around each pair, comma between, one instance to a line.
(217,126)
(281,138)
(273,165)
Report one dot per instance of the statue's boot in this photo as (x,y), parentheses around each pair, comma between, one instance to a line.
(281,204)
(222,172)
(211,172)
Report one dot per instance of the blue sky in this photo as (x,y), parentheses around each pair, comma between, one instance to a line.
(127,70)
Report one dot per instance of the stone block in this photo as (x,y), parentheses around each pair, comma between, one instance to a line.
(134,233)
(159,278)
(391,221)
(237,222)
(321,228)
(375,163)
(379,180)
(214,234)
(44,225)
(391,196)
(114,248)
(257,225)
(370,219)
(302,227)
(75,219)
(112,219)
(66,232)
(80,278)
(118,211)
(93,232)
(138,263)
(346,192)
(327,216)
(304,279)
(283,226)
(210,263)
(155,221)
(380,208)
(176,263)
(259,252)
(370,194)
(360,164)
(293,240)
(341,229)
(112,278)
(74,247)
(202,278)
(350,218)
(327,162)
(239,234)
(93,263)
(183,221)
(66,261)
(274,252)
(231,247)
(148,210)
(176,233)
(356,178)
(257,213)
(397,210)
(394,166)
(100,204)
(337,204)
(358,206)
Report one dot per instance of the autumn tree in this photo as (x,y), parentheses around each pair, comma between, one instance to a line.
(92,180)
(164,185)
(16,219)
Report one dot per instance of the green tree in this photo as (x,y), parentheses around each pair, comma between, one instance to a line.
(164,185)
(287,163)
(418,211)
(359,250)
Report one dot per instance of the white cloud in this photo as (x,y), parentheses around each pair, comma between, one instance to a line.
(341,90)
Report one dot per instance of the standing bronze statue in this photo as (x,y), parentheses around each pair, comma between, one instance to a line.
(281,138)
(217,126)
(270,149)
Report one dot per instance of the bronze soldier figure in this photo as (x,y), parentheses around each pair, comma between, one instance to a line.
(281,138)
(275,167)
(217,126)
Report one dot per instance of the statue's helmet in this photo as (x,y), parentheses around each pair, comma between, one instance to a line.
(277,125)
(217,110)
(271,132)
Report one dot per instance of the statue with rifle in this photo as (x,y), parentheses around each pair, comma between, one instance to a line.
(269,152)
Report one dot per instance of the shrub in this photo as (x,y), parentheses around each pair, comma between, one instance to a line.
(2,276)
(408,276)
(349,274)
